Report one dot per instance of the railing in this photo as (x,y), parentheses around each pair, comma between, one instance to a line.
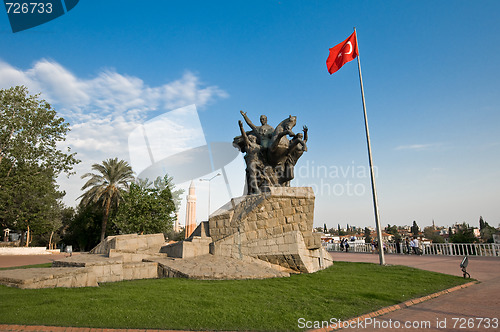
(446,249)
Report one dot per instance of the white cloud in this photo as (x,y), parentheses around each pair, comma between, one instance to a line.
(418,147)
(104,109)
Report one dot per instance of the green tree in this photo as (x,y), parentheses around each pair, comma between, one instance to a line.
(176,236)
(414,228)
(481,223)
(341,232)
(30,161)
(30,132)
(431,234)
(486,230)
(107,187)
(81,229)
(393,230)
(30,201)
(368,238)
(145,211)
(487,233)
(168,182)
(464,234)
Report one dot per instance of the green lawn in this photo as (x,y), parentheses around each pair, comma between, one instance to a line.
(341,291)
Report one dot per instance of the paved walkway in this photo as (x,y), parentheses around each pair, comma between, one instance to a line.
(453,311)
(20,260)
(450,310)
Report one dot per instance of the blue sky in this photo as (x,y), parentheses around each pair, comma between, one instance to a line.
(430,70)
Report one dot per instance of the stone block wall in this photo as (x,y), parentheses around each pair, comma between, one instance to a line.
(142,270)
(195,246)
(283,210)
(130,243)
(275,227)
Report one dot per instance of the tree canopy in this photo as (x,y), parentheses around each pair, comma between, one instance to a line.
(30,161)
(30,132)
(415,229)
(464,234)
(486,230)
(433,235)
(393,230)
(107,186)
(146,209)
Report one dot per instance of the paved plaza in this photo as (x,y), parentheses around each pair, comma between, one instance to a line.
(468,305)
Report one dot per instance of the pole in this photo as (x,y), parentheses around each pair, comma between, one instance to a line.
(213,177)
(372,176)
(208,215)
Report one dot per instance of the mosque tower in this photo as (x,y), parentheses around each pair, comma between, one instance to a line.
(190,211)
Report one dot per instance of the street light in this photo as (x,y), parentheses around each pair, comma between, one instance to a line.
(213,177)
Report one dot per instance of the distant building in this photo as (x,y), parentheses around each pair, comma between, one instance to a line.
(385,236)
(477,232)
(443,232)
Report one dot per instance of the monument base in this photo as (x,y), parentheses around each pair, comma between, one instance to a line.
(254,236)
(275,227)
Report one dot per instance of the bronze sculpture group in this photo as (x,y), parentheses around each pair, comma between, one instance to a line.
(270,155)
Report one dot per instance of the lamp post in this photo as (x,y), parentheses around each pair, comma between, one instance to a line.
(213,177)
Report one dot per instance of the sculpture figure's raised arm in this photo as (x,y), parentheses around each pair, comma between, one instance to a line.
(305,129)
(243,133)
(248,121)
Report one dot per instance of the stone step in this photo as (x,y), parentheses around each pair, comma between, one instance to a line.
(79,271)
(218,267)
(51,277)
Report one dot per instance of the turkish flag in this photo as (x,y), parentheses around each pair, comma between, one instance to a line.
(342,53)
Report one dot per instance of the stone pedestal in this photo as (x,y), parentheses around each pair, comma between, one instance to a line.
(275,227)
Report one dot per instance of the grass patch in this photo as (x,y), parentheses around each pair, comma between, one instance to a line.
(26,266)
(342,291)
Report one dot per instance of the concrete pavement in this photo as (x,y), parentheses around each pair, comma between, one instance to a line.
(463,310)
(21,260)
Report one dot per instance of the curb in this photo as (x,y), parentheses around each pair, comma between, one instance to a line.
(395,307)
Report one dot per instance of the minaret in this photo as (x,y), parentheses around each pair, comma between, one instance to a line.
(190,211)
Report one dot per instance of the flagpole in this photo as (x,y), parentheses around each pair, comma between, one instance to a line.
(372,176)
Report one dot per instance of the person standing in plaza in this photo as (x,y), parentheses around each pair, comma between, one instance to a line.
(414,245)
(398,245)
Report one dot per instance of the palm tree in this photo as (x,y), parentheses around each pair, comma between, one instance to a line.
(107,186)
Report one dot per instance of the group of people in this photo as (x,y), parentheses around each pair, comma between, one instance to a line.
(374,245)
(414,245)
(344,244)
(409,246)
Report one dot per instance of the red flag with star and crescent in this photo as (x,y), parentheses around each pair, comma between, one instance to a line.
(342,53)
